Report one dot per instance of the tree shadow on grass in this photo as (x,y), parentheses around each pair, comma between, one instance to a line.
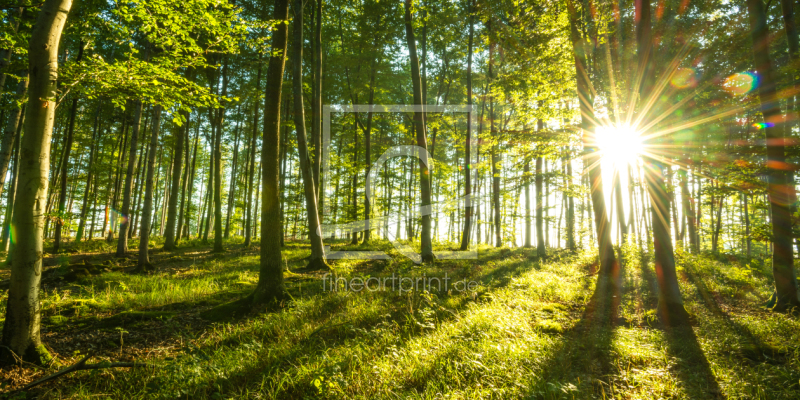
(693,369)
(583,362)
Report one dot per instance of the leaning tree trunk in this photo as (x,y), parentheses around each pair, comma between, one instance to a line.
(422,140)
(780,182)
(147,212)
(270,277)
(122,242)
(317,260)
(23,315)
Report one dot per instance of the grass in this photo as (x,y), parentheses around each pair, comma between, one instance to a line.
(528,330)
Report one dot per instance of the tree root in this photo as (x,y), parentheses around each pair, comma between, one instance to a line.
(81,365)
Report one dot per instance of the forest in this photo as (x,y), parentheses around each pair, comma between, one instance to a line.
(543,199)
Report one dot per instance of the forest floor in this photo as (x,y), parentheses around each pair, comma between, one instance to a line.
(526,330)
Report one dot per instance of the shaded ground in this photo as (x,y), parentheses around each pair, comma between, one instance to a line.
(529,328)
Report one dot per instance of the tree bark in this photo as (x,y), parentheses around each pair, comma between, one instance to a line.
(670,302)
(10,133)
(270,278)
(317,259)
(147,212)
(122,242)
(465,235)
(62,212)
(609,268)
(172,210)
(252,164)
(89,176)
(419,125)
(23,315)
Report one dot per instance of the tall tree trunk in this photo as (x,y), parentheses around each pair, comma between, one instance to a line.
(688,210)
(89,176)
(23,314)
(10,133)
(609,268)
(316,100)
(147,212)
(122,242)
(185,200)
(62,212)
(465,235)
(670,302)
(12,191)
(218,168)
(270,278)
(232,188)
(248,231)
(571,207)
(317,260)
(368,153)
(172,211)
(419,125)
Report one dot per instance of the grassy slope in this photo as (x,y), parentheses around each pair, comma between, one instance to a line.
(527,331)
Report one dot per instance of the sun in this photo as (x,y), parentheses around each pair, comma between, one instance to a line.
(620,145)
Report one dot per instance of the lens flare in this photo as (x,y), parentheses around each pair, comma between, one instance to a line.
(763,125)
(739,84)
(684,78)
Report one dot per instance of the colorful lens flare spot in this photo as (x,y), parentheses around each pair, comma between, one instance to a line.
(763,125)
(684,78)
(738,84)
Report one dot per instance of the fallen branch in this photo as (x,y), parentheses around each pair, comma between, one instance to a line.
(81,365)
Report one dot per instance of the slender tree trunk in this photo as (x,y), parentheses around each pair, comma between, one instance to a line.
(122,242)
(23,314)
(62,212)
(270,278)
(10,134)
(184,207)
(147,212)
(419,124)
(670,302)
(571,207)
(317,260)
(232,188)
(218,168)
(368,153)
(316,100)
(248,231)
(609,268)
(688,210)
(89,176)
(172,211)
(12,191)
(465,235)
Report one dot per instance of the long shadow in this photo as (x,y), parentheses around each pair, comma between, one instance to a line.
(754,349)
(694,370)
(583,363)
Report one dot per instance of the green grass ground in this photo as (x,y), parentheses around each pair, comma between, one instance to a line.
(528,330)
